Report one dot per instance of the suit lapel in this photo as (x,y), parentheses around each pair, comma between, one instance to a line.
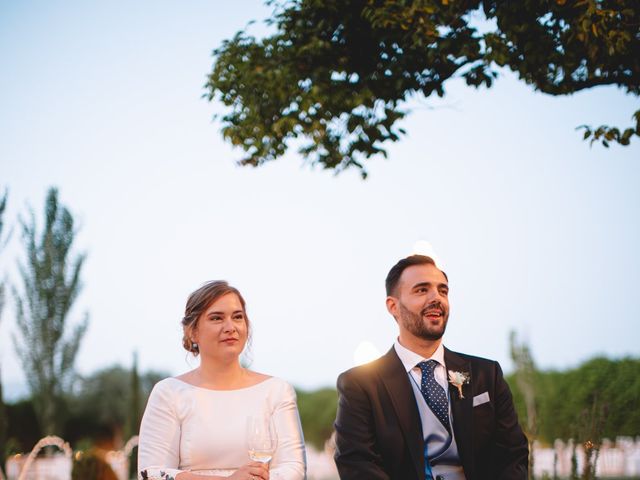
(461,410)
(395,379)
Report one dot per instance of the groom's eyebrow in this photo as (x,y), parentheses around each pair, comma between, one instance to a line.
(428,284)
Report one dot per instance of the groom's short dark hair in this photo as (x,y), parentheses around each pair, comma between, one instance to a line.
(393,277)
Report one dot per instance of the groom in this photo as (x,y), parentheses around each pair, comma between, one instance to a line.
(422,411)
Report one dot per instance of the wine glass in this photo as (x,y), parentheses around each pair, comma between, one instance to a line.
(261,438)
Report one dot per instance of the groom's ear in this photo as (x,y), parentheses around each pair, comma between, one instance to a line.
(392,306)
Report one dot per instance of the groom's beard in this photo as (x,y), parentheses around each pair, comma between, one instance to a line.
(421,328)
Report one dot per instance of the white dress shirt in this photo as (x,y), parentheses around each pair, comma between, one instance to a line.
(441,447)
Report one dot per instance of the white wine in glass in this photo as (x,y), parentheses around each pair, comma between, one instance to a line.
(261,439)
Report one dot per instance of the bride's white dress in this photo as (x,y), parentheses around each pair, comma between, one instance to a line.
(189,428)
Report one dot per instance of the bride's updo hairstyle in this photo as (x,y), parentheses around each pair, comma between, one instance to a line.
(197,304)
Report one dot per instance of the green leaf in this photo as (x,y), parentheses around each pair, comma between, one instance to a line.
(335,60)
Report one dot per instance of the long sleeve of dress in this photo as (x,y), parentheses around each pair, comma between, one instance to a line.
(289,462)
(186,428)
(159,447)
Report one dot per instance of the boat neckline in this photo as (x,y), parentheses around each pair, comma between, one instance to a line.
(217,390)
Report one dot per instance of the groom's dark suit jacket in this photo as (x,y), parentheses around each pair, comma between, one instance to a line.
(379,432)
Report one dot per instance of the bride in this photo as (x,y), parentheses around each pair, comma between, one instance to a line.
(196,424)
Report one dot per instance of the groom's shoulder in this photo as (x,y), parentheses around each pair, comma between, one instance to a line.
(365,369)
(369,371)
(482,361)
(480,365)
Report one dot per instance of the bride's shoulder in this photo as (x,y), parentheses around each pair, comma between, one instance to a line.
(274,384)
(173,384)
(165,391)
(187,377)
(256,377)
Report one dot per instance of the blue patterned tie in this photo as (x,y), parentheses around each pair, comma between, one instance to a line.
(434,394)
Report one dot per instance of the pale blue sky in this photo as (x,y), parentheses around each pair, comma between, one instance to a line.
(537,231)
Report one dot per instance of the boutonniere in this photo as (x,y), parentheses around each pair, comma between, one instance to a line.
(457,379)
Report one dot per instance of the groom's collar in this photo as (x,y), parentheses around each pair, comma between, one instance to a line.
(410,359)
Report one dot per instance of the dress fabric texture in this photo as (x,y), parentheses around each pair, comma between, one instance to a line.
(189,428)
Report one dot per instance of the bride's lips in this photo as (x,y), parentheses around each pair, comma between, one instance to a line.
(230,341)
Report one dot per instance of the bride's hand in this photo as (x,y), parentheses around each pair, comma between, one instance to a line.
(252,471)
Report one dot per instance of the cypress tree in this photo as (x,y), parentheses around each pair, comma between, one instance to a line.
(4,421)
(46,343)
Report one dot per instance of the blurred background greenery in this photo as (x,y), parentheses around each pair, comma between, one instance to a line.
(104,409)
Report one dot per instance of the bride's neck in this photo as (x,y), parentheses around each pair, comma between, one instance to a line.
(221,375)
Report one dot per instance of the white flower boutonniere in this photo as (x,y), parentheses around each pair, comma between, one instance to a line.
(457,379)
